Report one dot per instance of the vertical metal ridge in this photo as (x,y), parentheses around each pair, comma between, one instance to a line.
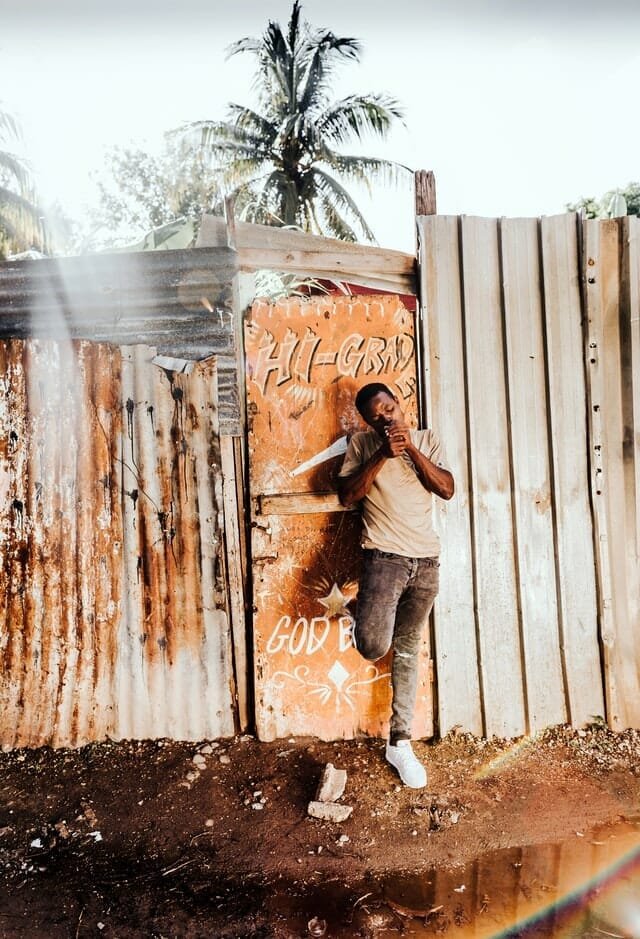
(515,534)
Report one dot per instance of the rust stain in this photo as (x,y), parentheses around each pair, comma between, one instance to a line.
(105,464)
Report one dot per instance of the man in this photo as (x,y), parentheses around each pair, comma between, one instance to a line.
(393,471)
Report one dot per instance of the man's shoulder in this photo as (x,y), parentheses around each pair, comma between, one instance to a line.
(423,435)
(363,437)
(428,442)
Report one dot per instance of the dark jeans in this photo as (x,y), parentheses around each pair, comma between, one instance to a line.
(394,601)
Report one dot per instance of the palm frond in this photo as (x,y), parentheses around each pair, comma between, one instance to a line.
(333,222)
(15,168)
(361,169)
(293,36)
(210,134)
(242,172)
(248,44)
(322,54)
(21,220)
(332,189)
(358,115)
(248,120)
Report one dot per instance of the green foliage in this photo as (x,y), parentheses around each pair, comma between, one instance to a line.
(604,207)
(282,162)
(21,223)
(143,192)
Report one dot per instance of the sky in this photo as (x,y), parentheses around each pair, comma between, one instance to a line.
(517,106)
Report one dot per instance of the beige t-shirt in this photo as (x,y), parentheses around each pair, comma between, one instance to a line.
(397,511)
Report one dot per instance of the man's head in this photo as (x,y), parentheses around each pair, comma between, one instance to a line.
(378,406)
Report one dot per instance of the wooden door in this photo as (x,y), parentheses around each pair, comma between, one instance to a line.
(306,359)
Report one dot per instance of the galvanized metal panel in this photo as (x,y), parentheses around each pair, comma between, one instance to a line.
(456,642)
(524,448)
(113,615)
(179,301)
(531,469)
(567,402)
(306,360)
(495,570)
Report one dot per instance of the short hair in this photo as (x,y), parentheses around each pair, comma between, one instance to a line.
(370,391)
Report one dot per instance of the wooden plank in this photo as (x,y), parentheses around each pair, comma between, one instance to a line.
(299,503)
(283,249)
(456,651)
(620,634)
(531,474)
(570,474)
(492,525)
(329,265)
(236,584)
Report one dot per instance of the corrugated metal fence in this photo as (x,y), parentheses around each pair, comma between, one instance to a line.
(531,363)
(113,615)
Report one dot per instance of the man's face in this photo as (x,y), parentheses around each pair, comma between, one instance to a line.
(382,410)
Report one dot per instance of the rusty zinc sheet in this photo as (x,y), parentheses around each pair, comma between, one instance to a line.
(305,363)
(180,302)
(113,614)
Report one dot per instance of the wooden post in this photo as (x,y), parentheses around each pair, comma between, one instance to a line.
(425,204)
(230,219)
(425,190)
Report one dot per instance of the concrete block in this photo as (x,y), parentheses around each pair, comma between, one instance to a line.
(332,784)
(329,811)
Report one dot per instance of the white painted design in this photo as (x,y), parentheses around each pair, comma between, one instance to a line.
(338,677)
(336,449)
(306,637)
(335,602)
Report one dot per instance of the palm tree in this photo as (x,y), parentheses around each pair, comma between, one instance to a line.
(21,225)
(283,162)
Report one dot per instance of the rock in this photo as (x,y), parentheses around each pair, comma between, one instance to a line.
(332,784)
(89,814)
(329,811)
(207,749)
(63,830)
(317,926)
(224,759)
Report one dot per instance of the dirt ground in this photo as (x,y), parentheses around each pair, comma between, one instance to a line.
(135,839)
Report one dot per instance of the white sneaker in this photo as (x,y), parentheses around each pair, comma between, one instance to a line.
(410,769)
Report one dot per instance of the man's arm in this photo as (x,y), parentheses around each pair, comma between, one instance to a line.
(355,487)
(434,478)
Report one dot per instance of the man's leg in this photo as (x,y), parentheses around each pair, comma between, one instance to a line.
(411,618)
(384,578)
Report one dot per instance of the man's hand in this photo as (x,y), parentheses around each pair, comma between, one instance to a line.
(396,439)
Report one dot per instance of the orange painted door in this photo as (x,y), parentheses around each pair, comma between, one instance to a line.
(306,359)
